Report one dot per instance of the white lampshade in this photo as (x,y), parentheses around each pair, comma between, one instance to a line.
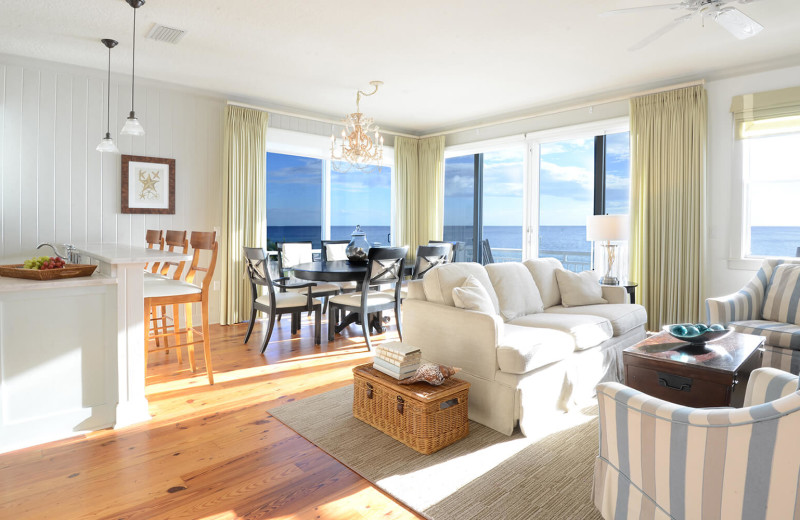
(107,145)
(607,227)
(132,126)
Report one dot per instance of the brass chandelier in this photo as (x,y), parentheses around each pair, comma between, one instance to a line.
(358,150)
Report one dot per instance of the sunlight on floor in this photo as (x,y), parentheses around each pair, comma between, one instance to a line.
(227,515)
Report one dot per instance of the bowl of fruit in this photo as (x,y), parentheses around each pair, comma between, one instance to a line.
(46,268)
(697,333)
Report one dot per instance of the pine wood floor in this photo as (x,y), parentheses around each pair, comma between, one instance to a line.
(210,452)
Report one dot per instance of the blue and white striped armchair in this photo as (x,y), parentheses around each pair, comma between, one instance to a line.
(745,309)
(659,460)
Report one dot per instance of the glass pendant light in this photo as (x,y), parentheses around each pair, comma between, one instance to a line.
(107,144)
(132,125)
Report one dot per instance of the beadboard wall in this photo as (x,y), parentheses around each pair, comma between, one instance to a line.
(55,187)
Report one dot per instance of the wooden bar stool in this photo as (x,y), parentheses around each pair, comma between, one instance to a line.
(164,291)
(175,241)
(154,239)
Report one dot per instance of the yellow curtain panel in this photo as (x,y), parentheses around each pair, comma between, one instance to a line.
(668,179)
(244,200)
(419,202)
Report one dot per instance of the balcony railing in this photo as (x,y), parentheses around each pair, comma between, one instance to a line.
(575,261)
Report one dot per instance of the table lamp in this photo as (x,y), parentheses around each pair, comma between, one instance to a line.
(607,229)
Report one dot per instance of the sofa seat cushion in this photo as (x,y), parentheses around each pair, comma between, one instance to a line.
(440,281)
(522,349)
(516,292)
(543,271)
(586,330)
(786,335)
(623,317)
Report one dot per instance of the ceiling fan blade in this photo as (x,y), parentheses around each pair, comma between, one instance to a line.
(642,8)
(737,23)
(661,32)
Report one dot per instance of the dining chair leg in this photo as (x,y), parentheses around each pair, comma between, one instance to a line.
(207,341)
(190,336)
(398,320)
(317,324)
(333,311)
(295,323)
(269,331)
(365,329)
(176,325)
(250,327)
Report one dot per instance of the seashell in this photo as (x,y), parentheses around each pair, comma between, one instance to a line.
(431,374)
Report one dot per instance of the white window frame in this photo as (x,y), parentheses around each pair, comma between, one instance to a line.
(740,213)
(300,144)
(534,140)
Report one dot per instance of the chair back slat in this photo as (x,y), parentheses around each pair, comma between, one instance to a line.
(175,240)
(429,257)
(334,250)
(385,265)
(451,247)
(292,253)
(203,241)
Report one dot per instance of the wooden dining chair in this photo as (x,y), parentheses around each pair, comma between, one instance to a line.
(175,241)
(337,250)
(384,266)
(276,303)
(154,238)
(164,291)
(293,253)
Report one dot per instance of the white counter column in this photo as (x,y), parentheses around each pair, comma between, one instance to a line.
(126,265)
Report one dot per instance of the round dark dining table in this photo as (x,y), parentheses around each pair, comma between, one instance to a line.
(339,271)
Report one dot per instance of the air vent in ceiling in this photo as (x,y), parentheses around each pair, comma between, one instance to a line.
(162,33)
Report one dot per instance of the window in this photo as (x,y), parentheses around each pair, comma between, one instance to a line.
(294,197)
(772,189)
(483,199)
(309,200)
(579,177)
(362,198)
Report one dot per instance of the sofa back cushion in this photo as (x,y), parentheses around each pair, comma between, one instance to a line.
(440,281)
(543,271)
(517,294)
(782,300)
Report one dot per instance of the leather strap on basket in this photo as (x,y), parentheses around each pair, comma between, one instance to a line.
(400,404)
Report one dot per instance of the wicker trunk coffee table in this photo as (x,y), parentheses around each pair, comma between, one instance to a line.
(425,418)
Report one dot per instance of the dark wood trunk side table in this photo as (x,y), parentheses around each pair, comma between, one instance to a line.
(715,374)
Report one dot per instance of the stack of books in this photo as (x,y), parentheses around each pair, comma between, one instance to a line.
(397,360)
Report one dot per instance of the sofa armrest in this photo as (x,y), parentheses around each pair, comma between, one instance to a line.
(615,294)
(453,336)
(725,309)
(768,384)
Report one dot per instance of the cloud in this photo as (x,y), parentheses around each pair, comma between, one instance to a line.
(583,177)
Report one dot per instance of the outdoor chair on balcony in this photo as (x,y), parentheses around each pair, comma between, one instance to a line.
(486,250)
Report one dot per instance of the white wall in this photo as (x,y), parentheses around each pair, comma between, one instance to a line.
(54,186)
(722,278)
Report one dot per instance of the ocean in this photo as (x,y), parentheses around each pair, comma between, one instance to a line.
(567,243)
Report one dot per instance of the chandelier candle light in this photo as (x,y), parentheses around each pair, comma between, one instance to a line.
(132,125)
(608,228)
(358,149)
(107,144)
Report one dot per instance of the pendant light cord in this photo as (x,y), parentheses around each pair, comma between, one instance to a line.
(108,96)
(133,64)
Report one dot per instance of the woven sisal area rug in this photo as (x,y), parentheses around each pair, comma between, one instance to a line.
(486,475)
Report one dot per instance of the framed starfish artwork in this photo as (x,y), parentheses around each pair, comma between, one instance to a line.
(148,185)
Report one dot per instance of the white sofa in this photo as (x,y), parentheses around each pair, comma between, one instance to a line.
(521,364)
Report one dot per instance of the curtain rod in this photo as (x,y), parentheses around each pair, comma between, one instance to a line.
(311,118)
(568,108)
(492,123)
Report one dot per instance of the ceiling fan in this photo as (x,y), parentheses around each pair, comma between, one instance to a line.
(733,20)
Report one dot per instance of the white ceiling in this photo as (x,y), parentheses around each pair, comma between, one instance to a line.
(444,62)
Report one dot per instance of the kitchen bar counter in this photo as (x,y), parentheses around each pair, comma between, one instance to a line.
(72,350)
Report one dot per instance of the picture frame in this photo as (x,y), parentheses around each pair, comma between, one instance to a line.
(148,185)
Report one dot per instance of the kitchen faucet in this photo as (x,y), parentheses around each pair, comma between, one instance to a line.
(72,255)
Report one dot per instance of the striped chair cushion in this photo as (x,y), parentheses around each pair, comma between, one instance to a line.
(786,335)
(783,295)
